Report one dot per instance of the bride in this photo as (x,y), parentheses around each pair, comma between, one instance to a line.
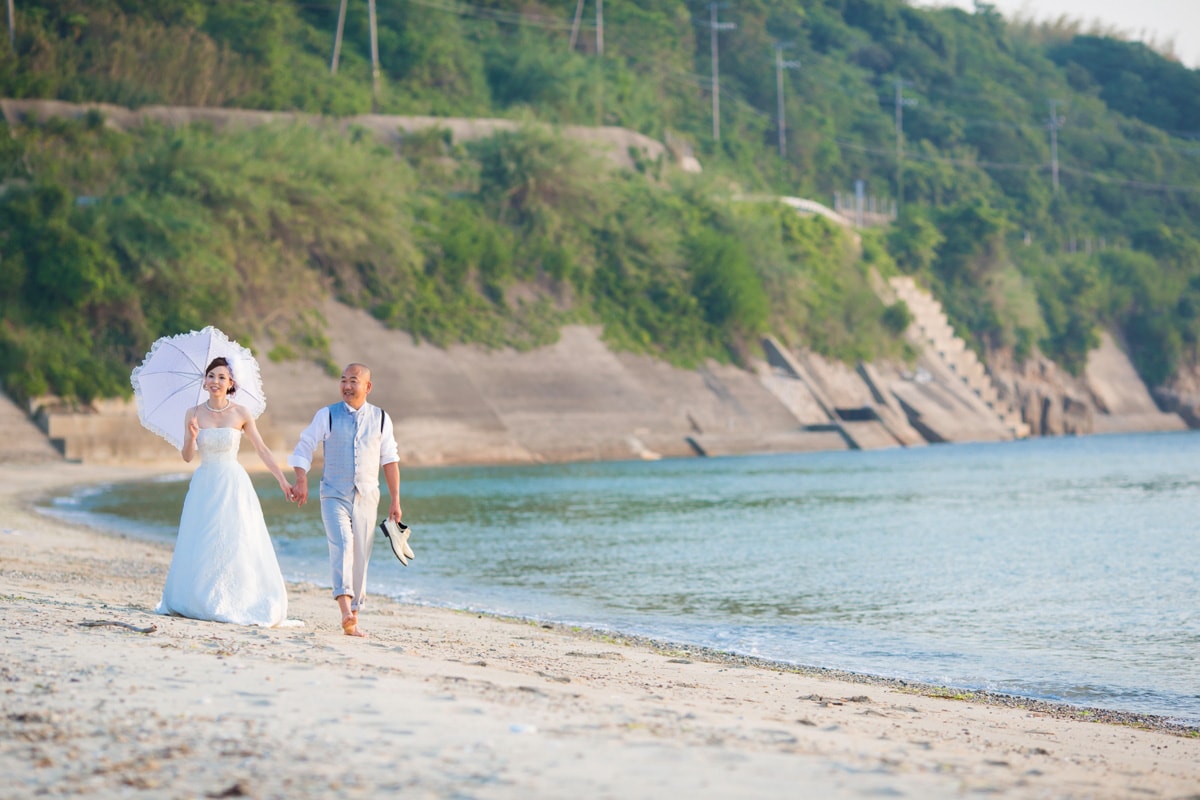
(224,567)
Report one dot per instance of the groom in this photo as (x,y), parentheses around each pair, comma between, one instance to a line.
(358,440)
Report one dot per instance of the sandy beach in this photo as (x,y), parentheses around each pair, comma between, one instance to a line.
(103,698)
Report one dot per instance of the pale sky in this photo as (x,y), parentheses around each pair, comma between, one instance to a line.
(1143,20)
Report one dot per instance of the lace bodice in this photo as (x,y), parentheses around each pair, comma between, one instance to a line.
(218,444)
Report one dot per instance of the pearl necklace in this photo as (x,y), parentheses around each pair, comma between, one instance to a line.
(228,405)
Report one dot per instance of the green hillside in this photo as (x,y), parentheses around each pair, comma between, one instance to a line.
(110,239)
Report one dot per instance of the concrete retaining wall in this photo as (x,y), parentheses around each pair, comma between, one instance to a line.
(612,142)
(577,400)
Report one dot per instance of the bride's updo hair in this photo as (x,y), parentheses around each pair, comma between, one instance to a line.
(220,361)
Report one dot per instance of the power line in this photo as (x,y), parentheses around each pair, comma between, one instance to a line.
(538,20)
(494,14)
(468,9)
(843,84)
(957,162)
(994,165)
(899,102)
(1133,184)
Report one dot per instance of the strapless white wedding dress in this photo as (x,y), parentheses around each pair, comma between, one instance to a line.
(224,567)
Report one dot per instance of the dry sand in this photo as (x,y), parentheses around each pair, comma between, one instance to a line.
(439,703)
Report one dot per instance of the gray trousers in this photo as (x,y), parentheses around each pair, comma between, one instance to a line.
(350,531)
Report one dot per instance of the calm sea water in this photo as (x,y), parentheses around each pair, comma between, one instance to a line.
(1063,569)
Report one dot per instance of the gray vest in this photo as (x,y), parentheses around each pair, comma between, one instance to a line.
(352,452)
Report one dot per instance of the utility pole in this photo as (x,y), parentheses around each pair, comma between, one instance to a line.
(1055,123)
(574,24)
(599,27)
(337,40)
(901,102)
(12,26)
(374,57)
(780,65)
(337,49)
(716,80)
(716,71)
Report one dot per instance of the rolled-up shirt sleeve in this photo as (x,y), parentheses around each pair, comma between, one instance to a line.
(316,432)
(389,453)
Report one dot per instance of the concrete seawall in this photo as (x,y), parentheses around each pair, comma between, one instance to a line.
(577,400)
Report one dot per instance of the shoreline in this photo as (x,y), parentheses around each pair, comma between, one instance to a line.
(1062,709)
(440,702)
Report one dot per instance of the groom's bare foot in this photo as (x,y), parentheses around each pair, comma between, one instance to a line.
(350,626)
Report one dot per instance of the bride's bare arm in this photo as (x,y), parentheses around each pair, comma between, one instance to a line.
(191,427)
(264,452)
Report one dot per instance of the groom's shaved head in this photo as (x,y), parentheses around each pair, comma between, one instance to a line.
(363,370)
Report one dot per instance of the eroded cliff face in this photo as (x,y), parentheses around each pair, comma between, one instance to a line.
(1034,397)
(1051,401)
(1181,395)
(1109,397)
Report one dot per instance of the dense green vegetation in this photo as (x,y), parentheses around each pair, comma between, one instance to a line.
(113,239)
(110,239)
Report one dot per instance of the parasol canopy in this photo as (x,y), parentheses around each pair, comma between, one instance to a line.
(171,379)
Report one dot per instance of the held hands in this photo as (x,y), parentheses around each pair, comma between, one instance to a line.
(299,494)
(288,492)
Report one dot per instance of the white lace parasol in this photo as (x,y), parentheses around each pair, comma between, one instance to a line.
(171,379)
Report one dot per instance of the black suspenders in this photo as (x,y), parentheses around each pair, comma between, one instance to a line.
(382,420)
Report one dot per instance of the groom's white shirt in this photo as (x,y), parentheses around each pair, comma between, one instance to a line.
(321,426)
